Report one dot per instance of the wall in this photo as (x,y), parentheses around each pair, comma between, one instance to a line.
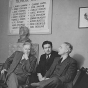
(64,28)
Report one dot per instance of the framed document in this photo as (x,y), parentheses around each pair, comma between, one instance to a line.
(83,17)
(34,14)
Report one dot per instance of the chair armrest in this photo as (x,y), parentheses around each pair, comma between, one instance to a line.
(77,76)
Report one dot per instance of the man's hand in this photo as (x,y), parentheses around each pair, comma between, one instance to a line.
(2,72)
(25,56)
(40,77)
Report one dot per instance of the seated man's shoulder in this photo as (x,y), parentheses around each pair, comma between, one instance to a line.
(57,58)
(18,52)
(55,54)
(72,60)
(42,55)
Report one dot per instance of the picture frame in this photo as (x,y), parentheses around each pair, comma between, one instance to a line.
(83,17)
(36,15)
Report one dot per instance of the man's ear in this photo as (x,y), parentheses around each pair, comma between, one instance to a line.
(68,50)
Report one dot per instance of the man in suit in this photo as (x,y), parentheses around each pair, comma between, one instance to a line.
(46,59)
(18,66)
(62,71)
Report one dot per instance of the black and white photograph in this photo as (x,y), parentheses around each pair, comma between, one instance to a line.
(43,43)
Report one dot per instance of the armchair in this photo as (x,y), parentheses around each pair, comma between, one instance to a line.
(18,47)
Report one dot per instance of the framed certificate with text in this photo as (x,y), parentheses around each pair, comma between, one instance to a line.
(34,14)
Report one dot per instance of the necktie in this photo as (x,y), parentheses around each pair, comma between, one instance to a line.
(47,58)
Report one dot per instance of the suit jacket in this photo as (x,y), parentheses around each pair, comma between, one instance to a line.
(43,66)
(65,71)
(12,62)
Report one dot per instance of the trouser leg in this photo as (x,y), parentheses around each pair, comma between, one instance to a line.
(50,83)
(12,81)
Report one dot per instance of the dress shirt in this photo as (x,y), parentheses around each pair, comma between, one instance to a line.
(48,56)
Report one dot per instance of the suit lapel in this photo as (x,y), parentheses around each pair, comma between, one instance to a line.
(52,68)
(18,58)
(63,65)
(57,61)
(15,62)
(44,58)
(30,59)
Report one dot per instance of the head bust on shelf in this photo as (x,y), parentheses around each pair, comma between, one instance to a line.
(24,34)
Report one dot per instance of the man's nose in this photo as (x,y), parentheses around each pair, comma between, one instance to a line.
(47,48)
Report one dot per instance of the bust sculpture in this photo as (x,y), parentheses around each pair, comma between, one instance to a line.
(23,37)
(24,34)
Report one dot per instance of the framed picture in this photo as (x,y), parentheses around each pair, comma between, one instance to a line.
(34,14)
(83,17)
